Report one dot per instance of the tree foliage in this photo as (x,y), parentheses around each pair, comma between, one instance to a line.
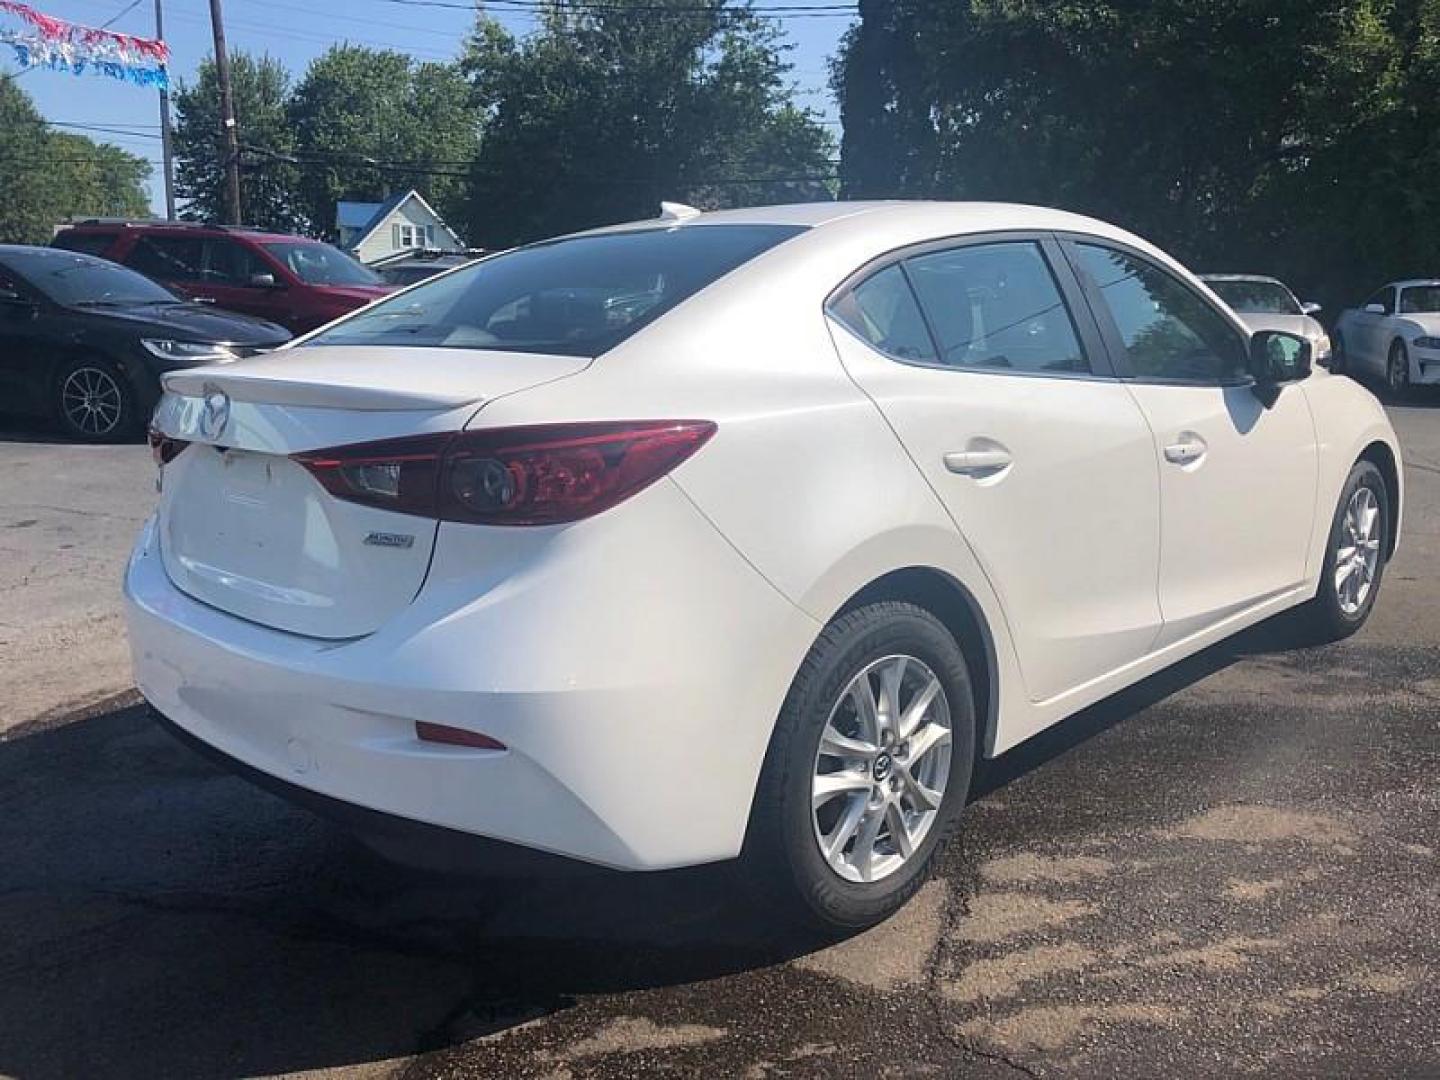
(48,176)
(260,86)
(604,112)
(368,123)
(1282,135)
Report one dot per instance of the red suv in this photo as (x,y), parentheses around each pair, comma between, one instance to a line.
(298,283)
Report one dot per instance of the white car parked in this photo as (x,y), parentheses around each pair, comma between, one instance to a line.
(1395,336)
(1265,303)
(739,534)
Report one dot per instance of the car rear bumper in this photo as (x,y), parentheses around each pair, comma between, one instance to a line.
(633,685)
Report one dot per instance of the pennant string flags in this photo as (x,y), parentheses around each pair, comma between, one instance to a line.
(44,41)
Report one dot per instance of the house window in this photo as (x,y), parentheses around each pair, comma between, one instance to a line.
(409,236)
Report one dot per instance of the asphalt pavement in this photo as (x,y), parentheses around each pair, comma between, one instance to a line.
(1232,868)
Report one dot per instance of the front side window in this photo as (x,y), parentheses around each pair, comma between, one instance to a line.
(1169,332)
(997,307)
(575,297)
(882,310)
(229,263)
(1420,300)
(1383,299)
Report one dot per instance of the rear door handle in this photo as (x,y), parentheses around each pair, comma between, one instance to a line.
(1189,449)
(978,463)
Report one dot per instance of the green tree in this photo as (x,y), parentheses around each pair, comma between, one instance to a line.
(99,179)
(1282,135)
(369,123)
(28,208)
(48,176)
(604,112)
(268,178)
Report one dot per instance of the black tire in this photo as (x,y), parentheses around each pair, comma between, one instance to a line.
(1397,370)
(782,859)
(1325,617)
(93,400)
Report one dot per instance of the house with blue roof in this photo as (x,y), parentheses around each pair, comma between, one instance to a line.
(405,222)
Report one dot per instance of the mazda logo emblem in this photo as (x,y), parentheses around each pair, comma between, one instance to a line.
(214,412)
(882,768)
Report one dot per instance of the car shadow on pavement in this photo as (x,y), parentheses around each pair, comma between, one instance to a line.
(165,918)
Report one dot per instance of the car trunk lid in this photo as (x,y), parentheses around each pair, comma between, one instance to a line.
(249,530)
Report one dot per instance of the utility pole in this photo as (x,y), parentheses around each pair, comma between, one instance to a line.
(230,139)
(166,150)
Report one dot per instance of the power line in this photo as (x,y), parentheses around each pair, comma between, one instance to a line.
(776,11)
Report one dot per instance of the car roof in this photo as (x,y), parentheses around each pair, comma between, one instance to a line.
(199,228)
(1412,282)
(1266,278)
(968,216)
(47,252)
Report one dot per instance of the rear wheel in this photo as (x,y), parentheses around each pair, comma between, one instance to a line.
(1397,370)
(1354,556)
(93,400)
(867,771)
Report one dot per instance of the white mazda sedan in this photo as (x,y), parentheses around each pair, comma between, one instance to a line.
(738,534)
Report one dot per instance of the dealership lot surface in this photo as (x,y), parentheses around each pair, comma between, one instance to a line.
(1232,868)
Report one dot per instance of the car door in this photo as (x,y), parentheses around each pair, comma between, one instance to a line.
(991,374)
(239,280)
(26,350)
(1237,478)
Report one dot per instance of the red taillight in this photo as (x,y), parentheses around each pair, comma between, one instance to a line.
(163,448)
(541,475)
(454,736)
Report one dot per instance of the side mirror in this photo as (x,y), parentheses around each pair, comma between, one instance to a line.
(1311,309)
(1374,309)
(264,281)
(1277,358)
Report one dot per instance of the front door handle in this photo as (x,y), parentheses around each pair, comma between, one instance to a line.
(1189,449)
(977,463)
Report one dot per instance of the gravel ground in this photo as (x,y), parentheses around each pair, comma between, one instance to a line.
(1232,868)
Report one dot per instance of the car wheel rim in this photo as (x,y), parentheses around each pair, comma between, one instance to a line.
(1358,555)
(1399,370)
(881,769)
(91,400)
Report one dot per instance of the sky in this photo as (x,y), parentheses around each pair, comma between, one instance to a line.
(296,31)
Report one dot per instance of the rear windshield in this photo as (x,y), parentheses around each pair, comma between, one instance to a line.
(78,280)
(575,297)
(1256,297)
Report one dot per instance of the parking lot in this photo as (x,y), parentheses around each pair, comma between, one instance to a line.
(1232,868)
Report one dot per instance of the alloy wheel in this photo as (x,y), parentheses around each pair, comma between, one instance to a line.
(1398,375)
(1358,554)
(881,769)
(92,400)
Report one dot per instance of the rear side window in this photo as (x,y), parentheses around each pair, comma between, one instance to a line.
(167,258)
(85,243)
(882,310)
(997,307)
(576,297)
